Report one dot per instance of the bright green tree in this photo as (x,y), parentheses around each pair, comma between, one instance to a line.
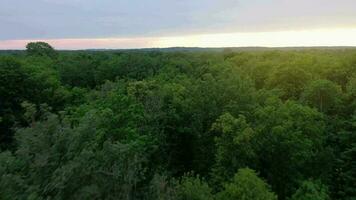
(246,185)
(234,148)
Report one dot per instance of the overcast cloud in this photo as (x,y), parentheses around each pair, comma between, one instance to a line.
(51,19)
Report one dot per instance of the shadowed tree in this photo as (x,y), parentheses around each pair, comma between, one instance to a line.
(311,190)
(40,49)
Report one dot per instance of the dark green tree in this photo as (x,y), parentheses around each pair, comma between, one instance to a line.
(290,145)
(40,49)
(311,190)
(290,80)
(193,188)
(13,90)
(322,94)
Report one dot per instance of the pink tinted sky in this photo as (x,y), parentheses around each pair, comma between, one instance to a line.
(316,37)
(108,43)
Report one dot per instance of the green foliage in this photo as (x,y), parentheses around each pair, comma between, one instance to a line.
(132,124)
(13,88)
(344,182)
(291,80)
(40,49)
(78,163)
(25,81)
(351,87)
(351,93)
(161,189)
(246,185)
(234,148)
(285,143)
(322,94)
(289,142)
(77,70)
(193,188)
(311,190)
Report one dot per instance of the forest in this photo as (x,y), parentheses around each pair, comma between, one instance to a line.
(178,125)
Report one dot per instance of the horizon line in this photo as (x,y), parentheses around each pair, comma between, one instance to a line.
(196,47)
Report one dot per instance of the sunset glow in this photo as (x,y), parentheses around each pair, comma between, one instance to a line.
(321,37)
(337,37)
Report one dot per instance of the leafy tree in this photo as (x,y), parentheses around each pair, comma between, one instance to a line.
(209,97)
(40,49)
(284,142)
(76,163)
(161,188)
(193,188)
(344,178)
(78,70)
(291,80)
(246,185)
(24,81)
(234,148)
(289,144)
(311,190)
(322,94)
(13,90)
(100,154)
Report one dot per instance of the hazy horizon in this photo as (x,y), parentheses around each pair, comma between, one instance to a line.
(124,24)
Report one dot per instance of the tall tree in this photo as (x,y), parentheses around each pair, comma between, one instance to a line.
(40,49)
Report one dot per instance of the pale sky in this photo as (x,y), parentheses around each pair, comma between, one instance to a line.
(82,24)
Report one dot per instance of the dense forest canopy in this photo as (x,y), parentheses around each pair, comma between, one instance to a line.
(195,125)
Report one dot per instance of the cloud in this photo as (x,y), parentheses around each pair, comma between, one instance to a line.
(51,19)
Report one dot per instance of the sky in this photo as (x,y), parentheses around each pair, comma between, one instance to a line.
(82,24)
